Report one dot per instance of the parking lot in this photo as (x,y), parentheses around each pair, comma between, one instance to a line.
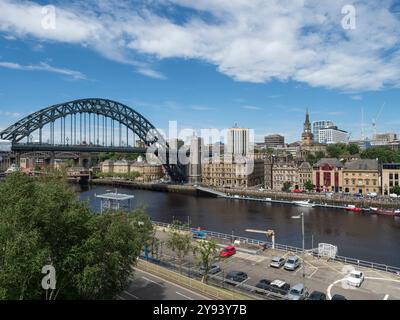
(319,275)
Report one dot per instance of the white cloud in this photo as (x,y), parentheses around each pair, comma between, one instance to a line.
(10,114)
(250,107)
(255,41)
(43,66)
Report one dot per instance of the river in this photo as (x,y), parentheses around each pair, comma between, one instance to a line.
(362,236)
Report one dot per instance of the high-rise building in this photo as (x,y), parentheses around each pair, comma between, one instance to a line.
(332,135)
(238,142)
(274,141)
(386,137)
(318,125)
(196,149)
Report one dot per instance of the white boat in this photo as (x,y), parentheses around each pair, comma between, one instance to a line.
(268,199)
(306,204)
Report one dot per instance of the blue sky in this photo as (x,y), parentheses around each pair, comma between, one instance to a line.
(206,64)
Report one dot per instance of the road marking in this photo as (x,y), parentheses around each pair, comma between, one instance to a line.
(311,275)
(386,297)
(131,295)
(167,281)
(152,281)
(182,295)
(328,291)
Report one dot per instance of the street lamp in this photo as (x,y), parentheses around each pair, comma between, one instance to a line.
(301,216)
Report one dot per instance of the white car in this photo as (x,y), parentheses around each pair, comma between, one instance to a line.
(355,279)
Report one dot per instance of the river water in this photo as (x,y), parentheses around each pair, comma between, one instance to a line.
(366,237)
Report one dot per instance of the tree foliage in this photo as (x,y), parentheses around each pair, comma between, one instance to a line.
(308,185)
(396,190)
(179,241)
(42,222)
(286,186)
(206,253)
(383,153)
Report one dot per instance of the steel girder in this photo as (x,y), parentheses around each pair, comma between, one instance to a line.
(104,107)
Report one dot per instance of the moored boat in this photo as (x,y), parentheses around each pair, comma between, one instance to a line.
(306,204)
(385,212)
(353,208)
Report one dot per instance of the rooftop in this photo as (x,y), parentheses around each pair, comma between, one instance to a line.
(362,164)
(115,196)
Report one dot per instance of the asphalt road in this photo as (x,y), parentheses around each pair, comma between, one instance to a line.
(145,286)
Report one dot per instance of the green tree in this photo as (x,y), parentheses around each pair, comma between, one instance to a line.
(383,153)
(353,149)
(286,186)
(179,241)
(42,222)
(396,190)
(309,185)
(206,253)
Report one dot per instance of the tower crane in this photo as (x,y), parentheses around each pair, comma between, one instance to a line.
(375,120)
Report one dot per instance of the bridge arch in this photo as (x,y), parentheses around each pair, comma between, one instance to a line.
(106,108)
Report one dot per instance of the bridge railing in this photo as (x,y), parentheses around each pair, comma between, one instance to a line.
(287,248)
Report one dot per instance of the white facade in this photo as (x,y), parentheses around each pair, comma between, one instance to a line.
(238,141)
(332,135)
(318,125)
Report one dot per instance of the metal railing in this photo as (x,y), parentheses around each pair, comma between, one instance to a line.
(287,248)
(218,286)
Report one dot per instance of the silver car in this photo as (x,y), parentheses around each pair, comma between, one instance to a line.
(292,263)
(277,262)
(298,292)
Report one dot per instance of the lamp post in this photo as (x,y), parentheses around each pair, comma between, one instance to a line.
(301,216)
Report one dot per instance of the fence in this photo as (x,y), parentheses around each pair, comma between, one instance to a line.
(286,248)
(216,287)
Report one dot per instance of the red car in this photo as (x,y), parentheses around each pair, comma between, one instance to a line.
(227,252)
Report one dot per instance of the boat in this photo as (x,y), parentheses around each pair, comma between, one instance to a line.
(353,208)
(306,204)
(268,199)
(385,212)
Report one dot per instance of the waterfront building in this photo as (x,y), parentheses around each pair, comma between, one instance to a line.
(327,175)
(305,174)
(390,177)
(196,149)
(318,125)
(274,141)
(307,144)
(361,176)
(148,172)
(238,141)
(284,172)
(332,135)
(268,176)
(228,173)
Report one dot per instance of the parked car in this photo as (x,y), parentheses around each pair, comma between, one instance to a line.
(214,269)
(262,286)
(355,279)
(277,262)
(338,297)
(316,295)
(298,292)
(235,277)
(393,195)
(292,263)
(227,252)
(372,195)
(198,234)
(280,287)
